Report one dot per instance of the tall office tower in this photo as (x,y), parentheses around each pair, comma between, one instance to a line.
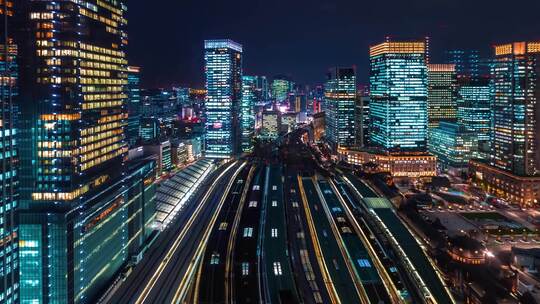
(281,87)
(78,213)
(247,112)
(398,96)
(340,108)
(474,109)
(223,59)
(513,172)
(516,108)
(9,197)
(441,94)
(134,105)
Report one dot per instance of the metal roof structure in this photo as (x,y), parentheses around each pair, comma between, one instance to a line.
(173,193)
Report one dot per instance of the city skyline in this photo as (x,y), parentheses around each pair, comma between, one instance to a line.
(308,37)
(267,183)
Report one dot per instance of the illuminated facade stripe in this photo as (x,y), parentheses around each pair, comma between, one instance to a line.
(247,118)
(9,159)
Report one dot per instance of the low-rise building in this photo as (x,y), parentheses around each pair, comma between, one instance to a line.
(398,164)
(521,190)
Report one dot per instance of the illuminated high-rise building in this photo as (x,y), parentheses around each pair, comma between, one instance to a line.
(281,87)
(474,98)
(516,108)
(398,96)
(223,66)
(134,105)
(340,107)
(513,171)
(474,106)
(9,195)
(441,94)
(247,112)
(80,215)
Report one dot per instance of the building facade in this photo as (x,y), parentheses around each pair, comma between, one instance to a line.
(271,122)
(223,66)
(9,173)
(401,165)
(398,96)
(474,106)
(76,212)
(453,144)
(247,112)
(441,94)
(513,170)
(340,107)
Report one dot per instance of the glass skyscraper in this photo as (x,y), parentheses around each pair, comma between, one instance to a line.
(340,107)
(474,106)
(9,196)
(247,112)
(512,171)
(441,94)
(223,67)
(453,144)
(81,203)
(398,96)
(515,143)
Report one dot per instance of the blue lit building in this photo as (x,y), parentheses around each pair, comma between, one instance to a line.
(247,112)
(340,107)
(398,96)
(134,105)
(453,144)
(474,109)
(9,173)
(223,67)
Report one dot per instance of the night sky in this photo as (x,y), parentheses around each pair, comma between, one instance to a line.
(303,38)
